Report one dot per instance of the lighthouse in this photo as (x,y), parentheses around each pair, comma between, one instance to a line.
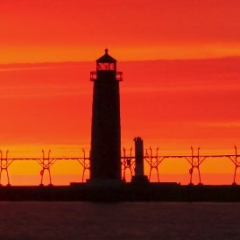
(105,155)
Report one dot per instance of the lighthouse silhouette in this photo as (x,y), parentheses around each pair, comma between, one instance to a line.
(105,152)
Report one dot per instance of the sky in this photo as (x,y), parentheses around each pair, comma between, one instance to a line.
(60,30)
(181,68)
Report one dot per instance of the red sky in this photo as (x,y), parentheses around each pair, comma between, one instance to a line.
(60,30)
(170,103)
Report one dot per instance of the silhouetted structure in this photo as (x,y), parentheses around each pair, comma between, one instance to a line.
(106,129)
(139,161)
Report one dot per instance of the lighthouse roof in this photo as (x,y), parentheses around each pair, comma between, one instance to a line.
(106,58)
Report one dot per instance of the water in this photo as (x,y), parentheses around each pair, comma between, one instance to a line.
(76,220)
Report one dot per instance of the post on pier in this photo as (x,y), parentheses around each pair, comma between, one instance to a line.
(4,165)
(236,163)
(195,162)
(46,162)
(139,177)
(127,163)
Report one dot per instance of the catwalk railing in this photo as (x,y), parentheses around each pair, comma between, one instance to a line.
(152,158)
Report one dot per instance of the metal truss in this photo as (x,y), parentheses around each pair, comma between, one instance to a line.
(154,161)
(236,163)
(46,163)
(4,165)
(195,162)
(85,163)
(127,163)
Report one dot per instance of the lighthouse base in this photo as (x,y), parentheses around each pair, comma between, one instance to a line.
(104,183)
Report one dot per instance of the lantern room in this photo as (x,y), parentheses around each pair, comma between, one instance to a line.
(106,67)
(106,62)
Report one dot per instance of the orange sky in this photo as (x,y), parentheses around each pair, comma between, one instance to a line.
(60,30)
(171,103)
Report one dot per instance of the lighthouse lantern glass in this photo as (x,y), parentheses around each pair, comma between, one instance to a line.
(106,66)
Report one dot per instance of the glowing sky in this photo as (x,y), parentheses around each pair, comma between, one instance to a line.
(48,49)
(60,30)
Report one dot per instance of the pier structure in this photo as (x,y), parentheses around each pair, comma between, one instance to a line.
(46,162)
(85,163)
(154,161)
(4,165)
(195,162)
(128,162)
(235,160)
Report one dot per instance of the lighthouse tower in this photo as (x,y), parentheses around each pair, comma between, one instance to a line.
(105,153)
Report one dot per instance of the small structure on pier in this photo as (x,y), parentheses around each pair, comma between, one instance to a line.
(139,177)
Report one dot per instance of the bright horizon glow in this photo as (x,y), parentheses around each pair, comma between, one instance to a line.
(28,54)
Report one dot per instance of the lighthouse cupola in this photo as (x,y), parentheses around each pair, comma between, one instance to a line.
(106,69)
(106,62)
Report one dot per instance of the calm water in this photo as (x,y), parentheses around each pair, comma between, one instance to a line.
(53,220)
